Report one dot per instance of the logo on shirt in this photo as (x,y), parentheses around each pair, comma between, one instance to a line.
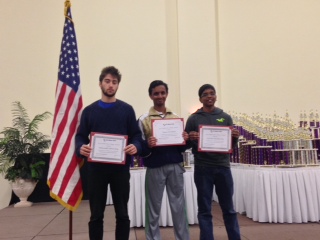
(220,120)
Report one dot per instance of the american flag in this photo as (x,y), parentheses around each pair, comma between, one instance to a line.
(64,170)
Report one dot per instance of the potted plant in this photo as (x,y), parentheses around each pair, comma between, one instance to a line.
(21,146)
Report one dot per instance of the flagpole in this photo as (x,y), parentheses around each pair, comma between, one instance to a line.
(64,178)
(67,5)
(70,225)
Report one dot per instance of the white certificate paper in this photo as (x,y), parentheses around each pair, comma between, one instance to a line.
(168,131)
(215,139)
(108,148)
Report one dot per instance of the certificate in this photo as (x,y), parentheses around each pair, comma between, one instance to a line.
(215,139)
(108,148)
(168,131)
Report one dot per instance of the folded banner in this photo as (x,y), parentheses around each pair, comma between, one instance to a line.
(64,170)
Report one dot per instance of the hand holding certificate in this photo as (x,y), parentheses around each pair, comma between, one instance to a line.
(215,139)
(168,131)
(108,148)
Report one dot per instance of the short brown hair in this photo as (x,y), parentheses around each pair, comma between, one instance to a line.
(110,70)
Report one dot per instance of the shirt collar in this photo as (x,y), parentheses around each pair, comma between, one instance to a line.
(153,112)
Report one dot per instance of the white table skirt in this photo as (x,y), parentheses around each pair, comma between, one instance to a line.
(278,195)
(136,204)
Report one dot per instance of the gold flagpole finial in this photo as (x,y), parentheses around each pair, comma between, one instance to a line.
(67,5)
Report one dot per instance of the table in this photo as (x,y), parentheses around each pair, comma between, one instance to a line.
(136,204)
(278,195)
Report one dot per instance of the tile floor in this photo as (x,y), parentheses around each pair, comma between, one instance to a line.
(50,221)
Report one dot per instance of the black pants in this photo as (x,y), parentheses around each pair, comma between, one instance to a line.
(98,180)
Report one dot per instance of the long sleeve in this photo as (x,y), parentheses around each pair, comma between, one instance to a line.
(82,136)
(145,151)
(134,132)
(190,126)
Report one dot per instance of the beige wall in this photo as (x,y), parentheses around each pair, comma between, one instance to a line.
(262,56)
(270,55)
(197,51)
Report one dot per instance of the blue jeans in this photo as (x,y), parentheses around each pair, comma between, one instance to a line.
(205,179)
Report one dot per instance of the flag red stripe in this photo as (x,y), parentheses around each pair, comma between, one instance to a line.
(74,163)
(60,98)
(60,133)
(62,125)
(77,193)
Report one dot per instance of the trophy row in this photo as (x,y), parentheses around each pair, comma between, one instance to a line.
(277,140)
(270,141)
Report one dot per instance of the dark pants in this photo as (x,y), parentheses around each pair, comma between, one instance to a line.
(205,179)
(98,181)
